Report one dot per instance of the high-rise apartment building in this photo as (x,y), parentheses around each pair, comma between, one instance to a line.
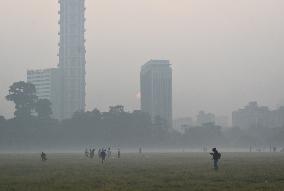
(156,89)
(47,87)
(72,57)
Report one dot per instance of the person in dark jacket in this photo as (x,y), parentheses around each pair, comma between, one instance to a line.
(118,153)
(43,156)
(216,156)
(103,155)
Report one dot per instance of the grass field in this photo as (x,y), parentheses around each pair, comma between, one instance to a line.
(151,172)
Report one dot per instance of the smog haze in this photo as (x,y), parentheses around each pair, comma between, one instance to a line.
(224,53)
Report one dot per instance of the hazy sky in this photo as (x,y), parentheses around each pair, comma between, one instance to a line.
(224,53)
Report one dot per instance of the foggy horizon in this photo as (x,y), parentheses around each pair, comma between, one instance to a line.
(224,54)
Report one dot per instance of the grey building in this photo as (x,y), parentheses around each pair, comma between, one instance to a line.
(205,118)
(255,116)
(222,121)
(66,89)
(156,89)
(182,124)
(277,117)
(47,87)
(252,116)
(72,57)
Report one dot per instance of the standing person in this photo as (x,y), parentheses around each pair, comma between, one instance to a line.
(118,153)
(92,154)
(108,152)
(216,156)
(86,153)
(140,150)
(43,156)
(99,153)
(103,155)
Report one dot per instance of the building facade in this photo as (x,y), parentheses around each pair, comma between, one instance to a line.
(182,124)
(65,86)
(156,90)
(252,116)
(72,57)
(47,87)
(222,121)
(205,118)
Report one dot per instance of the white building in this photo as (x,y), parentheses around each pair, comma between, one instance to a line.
(156,89)
(47,87)
(72,56)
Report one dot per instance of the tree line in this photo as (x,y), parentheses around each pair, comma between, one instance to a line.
(32,127)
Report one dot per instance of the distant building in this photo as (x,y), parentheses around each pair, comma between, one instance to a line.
(277,117)
(252,116)
(156,89)
(66,89)
(222,121)
(182,124)
(205,118)
(47,87)
(72,57)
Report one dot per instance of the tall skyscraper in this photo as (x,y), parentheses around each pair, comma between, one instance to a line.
(156,89)
(72,56)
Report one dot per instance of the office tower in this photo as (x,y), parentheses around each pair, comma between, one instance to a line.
(72,56)
(46,84)
(156,90)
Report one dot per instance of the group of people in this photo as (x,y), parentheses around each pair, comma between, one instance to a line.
(103,153)
(90,153)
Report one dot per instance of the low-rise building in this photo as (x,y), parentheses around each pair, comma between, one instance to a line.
(205,118)
(47,87)
(253,116)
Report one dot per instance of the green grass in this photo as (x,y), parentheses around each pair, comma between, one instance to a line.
(147,172)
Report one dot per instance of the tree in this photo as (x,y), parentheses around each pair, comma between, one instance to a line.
(116,109)
(24,96)
(2,120)
(43,108)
